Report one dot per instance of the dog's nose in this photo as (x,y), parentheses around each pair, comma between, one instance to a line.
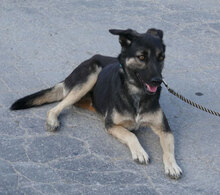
(156,80)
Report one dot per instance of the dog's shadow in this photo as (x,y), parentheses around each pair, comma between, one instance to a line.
(150,142)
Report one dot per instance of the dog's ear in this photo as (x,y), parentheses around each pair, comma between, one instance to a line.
(125,36)
(155,32)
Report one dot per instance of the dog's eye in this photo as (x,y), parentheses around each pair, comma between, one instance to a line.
(161,58)
(141,57)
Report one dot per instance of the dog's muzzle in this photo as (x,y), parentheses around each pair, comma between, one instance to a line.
(151,87)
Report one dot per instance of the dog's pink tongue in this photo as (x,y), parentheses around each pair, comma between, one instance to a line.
(152,89)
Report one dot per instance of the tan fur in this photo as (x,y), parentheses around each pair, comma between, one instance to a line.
(133,89)
(128,138)
(74,95)
(131,61)
(57,94)
(154,118)
(155,121)
(86,103)
(123,119)
(167,144)
(128,121)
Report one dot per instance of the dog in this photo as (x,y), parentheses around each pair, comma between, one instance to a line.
(124,90)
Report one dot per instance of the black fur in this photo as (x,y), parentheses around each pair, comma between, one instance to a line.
(27,101)
(111,90)
(79,75)
(124,90)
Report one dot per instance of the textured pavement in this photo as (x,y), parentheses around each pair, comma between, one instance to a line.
(40,44)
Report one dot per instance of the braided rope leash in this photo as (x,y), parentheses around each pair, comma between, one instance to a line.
(189,101)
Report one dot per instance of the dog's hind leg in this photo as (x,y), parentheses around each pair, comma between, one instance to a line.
(75,94)
(61,90)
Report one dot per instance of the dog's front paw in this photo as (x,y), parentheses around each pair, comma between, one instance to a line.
(172,170)
(139,154)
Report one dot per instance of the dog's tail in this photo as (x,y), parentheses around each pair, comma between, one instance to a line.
(53,94)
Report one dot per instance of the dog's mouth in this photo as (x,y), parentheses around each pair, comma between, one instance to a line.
(152,89)
(149,89)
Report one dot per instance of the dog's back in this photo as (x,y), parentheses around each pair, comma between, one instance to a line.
(78,77)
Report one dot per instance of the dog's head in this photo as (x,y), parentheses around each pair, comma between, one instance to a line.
(142,57)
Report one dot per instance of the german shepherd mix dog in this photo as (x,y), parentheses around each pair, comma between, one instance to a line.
(124,90)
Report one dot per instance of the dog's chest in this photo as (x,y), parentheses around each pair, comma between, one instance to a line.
(129,121)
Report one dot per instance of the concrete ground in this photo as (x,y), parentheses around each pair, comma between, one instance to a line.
(40,44)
